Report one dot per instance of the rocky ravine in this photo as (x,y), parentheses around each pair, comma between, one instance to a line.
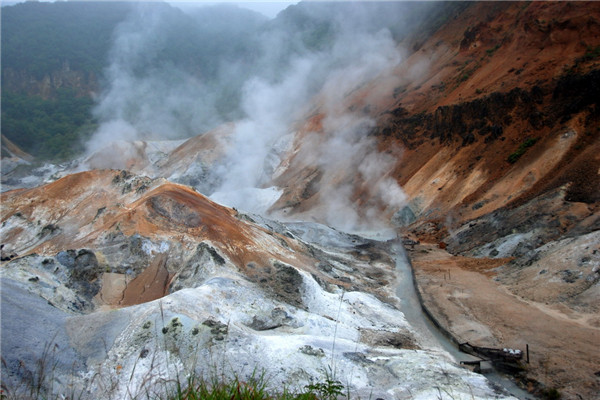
(503,176)
(116,283)
(494,123)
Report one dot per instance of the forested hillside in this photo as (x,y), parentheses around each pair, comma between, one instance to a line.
(52,57)
(60,59)
(40,38)
(55,58)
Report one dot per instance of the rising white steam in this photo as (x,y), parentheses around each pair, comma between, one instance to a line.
(345,153)
(349,150)
(146,99)
(166,102)
(271,110)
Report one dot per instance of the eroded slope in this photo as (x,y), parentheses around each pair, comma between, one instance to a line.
(121,282)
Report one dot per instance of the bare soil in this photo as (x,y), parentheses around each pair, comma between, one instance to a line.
(463,296)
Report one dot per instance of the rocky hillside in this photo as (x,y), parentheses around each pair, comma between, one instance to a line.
(131,281)
(500,140)
(492,115)
(494,125)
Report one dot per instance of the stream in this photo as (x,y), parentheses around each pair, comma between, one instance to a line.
(411,307)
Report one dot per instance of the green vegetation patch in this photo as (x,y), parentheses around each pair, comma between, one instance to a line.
(490,52)
(255,388)
(47,129)
(591,53)
(521,150)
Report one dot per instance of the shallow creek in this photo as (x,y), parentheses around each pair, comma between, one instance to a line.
(430,335)
(411,307)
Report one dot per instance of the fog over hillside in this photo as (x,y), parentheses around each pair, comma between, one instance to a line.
(263,75)
(172,75)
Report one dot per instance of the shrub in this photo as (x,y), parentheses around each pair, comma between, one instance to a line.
(492,50)
(512,158)
(591,53)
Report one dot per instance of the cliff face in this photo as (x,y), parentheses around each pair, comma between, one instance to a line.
(83,84)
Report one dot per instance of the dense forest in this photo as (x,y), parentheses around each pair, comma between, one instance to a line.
(42,113)
(49,129)
(60,59)
(55,57)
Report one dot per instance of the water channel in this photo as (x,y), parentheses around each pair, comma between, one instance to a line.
(410,305)
(416,317)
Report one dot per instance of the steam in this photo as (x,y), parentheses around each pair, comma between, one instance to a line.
(271,110)
(148,100)
(352,163)
(347,151)
(147,96)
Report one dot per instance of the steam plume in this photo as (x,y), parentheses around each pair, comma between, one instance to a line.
(147,99)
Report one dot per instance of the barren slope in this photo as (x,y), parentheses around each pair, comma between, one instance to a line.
(520,81)
(137,281)
(100,209)
(495,124)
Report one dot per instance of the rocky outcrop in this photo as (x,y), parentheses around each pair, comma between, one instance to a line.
(141,281)
(486,118)
(82,83)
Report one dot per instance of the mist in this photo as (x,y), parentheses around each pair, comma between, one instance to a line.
(267,83)
(167,75)
(345,152)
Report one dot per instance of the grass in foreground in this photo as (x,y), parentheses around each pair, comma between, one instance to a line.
(217,389)
(254,389)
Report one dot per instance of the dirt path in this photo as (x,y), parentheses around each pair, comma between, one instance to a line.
(462,294)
